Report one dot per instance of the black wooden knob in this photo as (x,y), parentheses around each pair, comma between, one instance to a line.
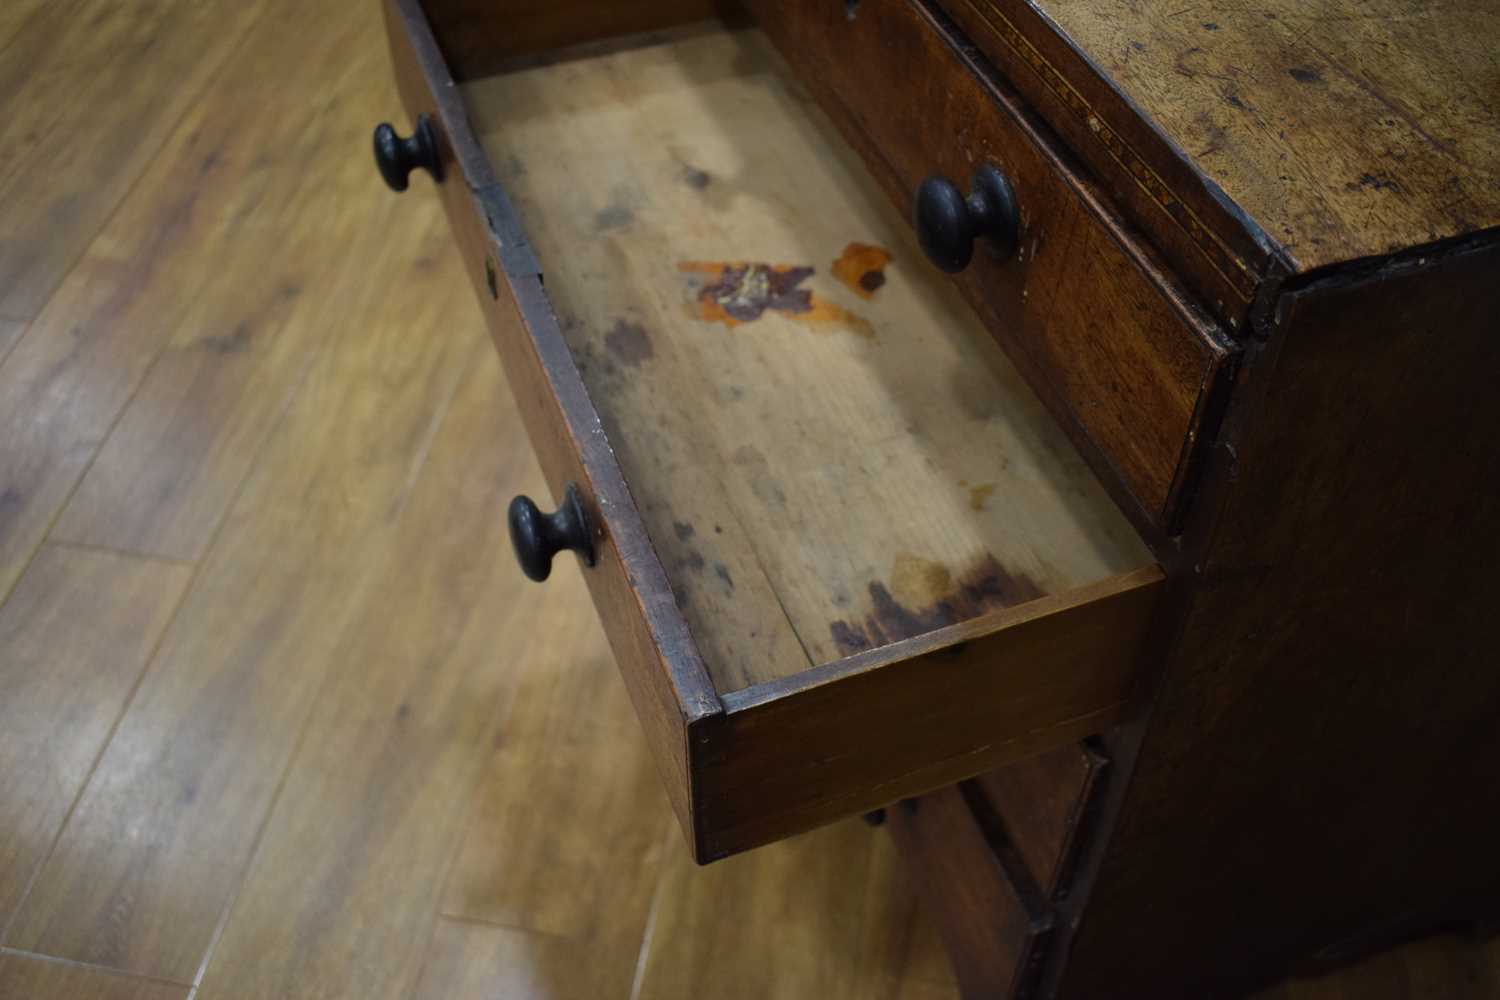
(948,222)
(538,537)
(397,157)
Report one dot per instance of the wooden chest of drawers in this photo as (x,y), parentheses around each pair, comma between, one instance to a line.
(1218,504)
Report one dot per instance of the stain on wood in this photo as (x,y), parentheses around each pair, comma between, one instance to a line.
(862,267)
(849,449)
(740,431)
(629,343)
(1090,315)
(929,598)
(1285,101)
(739,292)
(980,494)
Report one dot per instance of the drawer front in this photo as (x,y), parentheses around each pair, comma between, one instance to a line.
(992,857)
(1128,365)
(747,764)
(994,924)
(1044,803)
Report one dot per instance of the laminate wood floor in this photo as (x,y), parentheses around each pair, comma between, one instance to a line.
(278,716)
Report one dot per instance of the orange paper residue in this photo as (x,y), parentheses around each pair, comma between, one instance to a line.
(738,292)
(862,267)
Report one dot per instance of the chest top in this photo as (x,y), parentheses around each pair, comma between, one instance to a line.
(1343,130)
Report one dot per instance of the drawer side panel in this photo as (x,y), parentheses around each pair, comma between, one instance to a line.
(662,671)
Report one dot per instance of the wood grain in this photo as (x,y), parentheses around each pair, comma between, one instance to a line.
(375,798)
(1042,802)
(795,473)
(950,704)
(1343,133)
(996,929)
(91,90)
(30,977)
(465,958)
(14,17)
(569,824)
(476,42)
(829,915)
(213,217)
(247,172)
(663,673)
(550,894)
(1093,318)
(1354,624)
(10,332)
(1211,246)
(1432,968)
(480,961)
(74,637)
(158,842)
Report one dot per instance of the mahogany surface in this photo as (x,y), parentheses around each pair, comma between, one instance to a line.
(1304,768)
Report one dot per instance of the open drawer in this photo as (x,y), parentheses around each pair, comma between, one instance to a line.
(842,554)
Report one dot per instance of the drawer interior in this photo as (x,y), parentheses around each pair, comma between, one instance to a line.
(829,452)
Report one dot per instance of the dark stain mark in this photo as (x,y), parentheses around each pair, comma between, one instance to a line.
(403,711)
(1138,46)
(694,561)
(630,343)
(1370,182)
(743,292)
(1413,121)
(1304,75)
(769,492)
(739,292)
(490,279)
(188,794)
(862,268)
(987,586)
(683,529)
(289,290)
(10,500)
(1210,26)
(722,572)
(718,530)
(695,178)
(848,639)
(1233,100)
(613,217)
(230,343)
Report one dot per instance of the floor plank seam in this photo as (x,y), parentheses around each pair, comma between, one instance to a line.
(500,715)
(468,920)
(57,512)
(643,954)
(167,136)
(90,966)
(113,550)
(36,14)
(10,349)
(255,844)
(147,662)
(304,728)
